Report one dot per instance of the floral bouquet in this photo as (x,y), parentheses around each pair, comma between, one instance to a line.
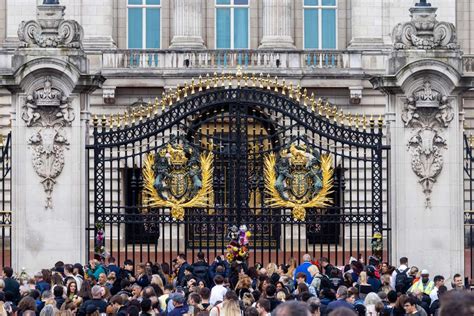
(99,248)
(377,245)
(238,247)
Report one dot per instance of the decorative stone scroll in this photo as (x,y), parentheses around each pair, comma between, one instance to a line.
(49,110)
(427,112)
(424,31)
(51,30)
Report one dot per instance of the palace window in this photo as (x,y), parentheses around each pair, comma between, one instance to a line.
(320,24)
(232,23)
(143,29)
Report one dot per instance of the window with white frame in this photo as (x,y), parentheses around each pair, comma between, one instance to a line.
(143,29)
(232,23)
(320,24)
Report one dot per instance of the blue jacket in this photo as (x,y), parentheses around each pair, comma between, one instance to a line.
(304,268)
(178,311)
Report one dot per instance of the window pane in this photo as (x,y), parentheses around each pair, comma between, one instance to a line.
(222,1)
(223,28)
(311,39)
(241,2)
(135,2)
(241,28)
(329,29)
(135,22)
(152,1)
(329,2)
(310,2)
(152,28)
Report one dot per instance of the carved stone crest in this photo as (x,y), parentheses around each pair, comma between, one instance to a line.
(427,112)
(51,29)
(48,110)
(424,31)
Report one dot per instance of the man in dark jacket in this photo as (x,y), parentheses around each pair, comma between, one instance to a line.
(11,285)
(58,296)
(201,269)
(181,260)
(96,303)
(270,292)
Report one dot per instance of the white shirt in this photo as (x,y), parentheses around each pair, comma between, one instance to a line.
(217,294)
(434,294)
(394,275)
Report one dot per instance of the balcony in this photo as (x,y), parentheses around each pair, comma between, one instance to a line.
(220,60)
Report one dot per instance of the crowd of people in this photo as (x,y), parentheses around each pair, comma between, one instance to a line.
(221,288)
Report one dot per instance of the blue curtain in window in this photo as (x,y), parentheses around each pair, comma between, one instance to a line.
(329,28)
(135,22)
(311,34)
(153,28)
(223,28)
(241,28)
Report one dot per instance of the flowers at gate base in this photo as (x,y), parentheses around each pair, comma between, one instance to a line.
(238,247)
(99,248)
(377,245)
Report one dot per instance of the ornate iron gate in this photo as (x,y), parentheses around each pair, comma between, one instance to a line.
(239,121)
(5,213)
(468,208)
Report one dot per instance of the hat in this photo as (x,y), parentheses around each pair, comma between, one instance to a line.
(425,272)
(38,275)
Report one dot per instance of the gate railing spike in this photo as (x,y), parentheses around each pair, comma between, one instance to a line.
(313,102)
(230,77)
(276,84)
(215,79)
(104,121)
(200,83)
(341,117)
(254,80)
(290,91)
(95,120)
(208,81)
(246,81)
(192,86)
(283,87)
(260,81)
(380,121)
(298,93)
(185,90)
(222,79)
(178,92)
(364,122)
(269,82)
(327,109)
(320,107)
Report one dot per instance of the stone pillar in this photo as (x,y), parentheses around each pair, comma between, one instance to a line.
(277,25)
(50,90)
(424,122)
(187,25)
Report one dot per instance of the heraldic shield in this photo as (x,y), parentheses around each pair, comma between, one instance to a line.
(298,178)
(178,176)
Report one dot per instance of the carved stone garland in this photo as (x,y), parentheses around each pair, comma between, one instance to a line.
(427,112)
(49,110)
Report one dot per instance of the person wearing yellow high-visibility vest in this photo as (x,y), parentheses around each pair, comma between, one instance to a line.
(423,285)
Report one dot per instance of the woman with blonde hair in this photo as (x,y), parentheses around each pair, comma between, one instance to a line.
(363,286)
(291,267)
(386,287)
(157,284)
(230,306)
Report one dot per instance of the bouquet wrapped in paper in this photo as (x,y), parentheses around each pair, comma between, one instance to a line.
(238,247)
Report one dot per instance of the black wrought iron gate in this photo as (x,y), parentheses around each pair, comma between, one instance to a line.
(241,123)
(469,208)
(5,201)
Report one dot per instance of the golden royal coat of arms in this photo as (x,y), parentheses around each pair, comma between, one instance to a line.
(178,176)
(300,178)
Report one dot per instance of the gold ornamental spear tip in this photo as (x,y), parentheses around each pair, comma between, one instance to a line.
(276,84)
(268,82)
(215,79)
(185,90)
(95,121)
(208,81)
(192,86)
(200,83)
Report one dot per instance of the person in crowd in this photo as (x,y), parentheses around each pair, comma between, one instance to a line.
(181,264)
(201,269)
(400,281)
(457,284)
(435,304)
(229,307)
(263,307)
(179,304)
(438,281)
(303,268)
(95,303)
(111,266)
(423,285)
(95,269)
(11,285)
(459,303)
(341,300)
(293,308)
(363,286)
(218,291)
(412,308)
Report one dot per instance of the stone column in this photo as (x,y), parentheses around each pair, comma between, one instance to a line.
(50,86)
(277,25)
(187,25)
(424,120)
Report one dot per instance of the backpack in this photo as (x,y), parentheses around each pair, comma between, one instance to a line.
(325,282)
(402,281)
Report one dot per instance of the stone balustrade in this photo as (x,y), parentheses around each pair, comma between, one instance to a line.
(222,59)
